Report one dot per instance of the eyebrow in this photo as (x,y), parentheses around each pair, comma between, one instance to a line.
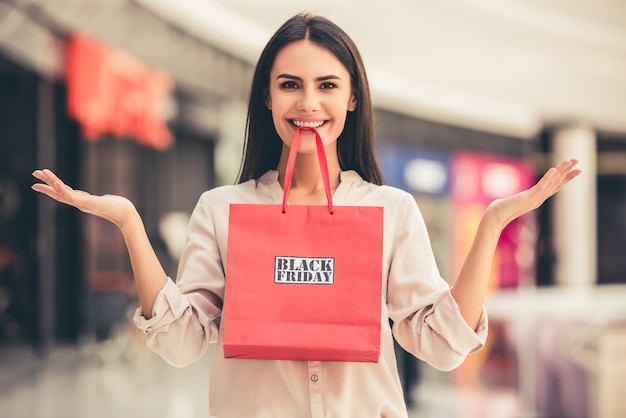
(323,78)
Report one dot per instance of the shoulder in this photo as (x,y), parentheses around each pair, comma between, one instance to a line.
(228,192)
(369,193)
(251,191)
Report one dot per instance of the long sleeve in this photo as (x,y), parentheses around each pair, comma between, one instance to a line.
(186,313)
(427,321)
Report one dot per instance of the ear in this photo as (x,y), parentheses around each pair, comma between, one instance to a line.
(268,101)
(352,104)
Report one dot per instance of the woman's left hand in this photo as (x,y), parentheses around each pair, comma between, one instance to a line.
(507,209)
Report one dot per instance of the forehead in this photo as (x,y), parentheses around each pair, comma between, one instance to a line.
(307,57)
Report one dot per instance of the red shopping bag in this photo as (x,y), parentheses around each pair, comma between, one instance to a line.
(303,282)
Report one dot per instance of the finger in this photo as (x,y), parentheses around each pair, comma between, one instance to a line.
(556,177)
(44,174)
(54,181)
(567,172)
(41,175)
(49,191)
(566,166)
(54,187)
(572,174)
(561,169)
(549,182)
(48,177)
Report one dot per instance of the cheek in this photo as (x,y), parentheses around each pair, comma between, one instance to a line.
(281,129)
(279,122)
(278,110)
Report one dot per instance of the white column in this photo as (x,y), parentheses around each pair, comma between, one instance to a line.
(575,207)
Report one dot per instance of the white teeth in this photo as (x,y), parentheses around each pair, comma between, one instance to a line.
(300,123)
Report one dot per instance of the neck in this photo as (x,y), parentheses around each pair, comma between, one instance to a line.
(307,175)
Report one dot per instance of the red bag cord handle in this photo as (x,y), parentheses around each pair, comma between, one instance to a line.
(291,163)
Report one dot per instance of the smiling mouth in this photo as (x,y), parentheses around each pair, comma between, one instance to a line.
(308,124)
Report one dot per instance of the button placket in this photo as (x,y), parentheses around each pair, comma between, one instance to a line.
(315,389)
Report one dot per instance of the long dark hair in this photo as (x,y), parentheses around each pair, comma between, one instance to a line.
(355,145)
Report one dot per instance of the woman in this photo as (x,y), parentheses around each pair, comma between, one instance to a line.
(310,74)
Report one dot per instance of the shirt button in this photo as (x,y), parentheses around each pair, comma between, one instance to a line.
(314,378)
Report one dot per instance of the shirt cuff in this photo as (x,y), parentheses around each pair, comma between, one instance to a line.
(168,306)
(450,324)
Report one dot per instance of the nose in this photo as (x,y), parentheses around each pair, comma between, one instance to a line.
(309,100)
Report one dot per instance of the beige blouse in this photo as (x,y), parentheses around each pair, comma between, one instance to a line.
(427,322)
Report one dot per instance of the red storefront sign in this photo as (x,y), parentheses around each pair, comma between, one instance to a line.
(111,92)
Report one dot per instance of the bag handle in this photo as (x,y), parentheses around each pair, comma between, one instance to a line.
(291,163)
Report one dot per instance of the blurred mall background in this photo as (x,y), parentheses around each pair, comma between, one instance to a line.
(474,99)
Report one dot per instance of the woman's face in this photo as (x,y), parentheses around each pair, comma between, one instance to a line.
(309,86)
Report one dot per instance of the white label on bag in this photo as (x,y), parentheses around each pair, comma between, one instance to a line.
(304,270)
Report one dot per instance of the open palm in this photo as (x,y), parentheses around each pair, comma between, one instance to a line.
(110,207)
(507,209)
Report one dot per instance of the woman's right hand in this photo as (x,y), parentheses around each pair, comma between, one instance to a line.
(113,208)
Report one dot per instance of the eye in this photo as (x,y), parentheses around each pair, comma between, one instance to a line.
(289,85)
(327,85)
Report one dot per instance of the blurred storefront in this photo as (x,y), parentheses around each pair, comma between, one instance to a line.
(556,317)
(453,174)
(139,119)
